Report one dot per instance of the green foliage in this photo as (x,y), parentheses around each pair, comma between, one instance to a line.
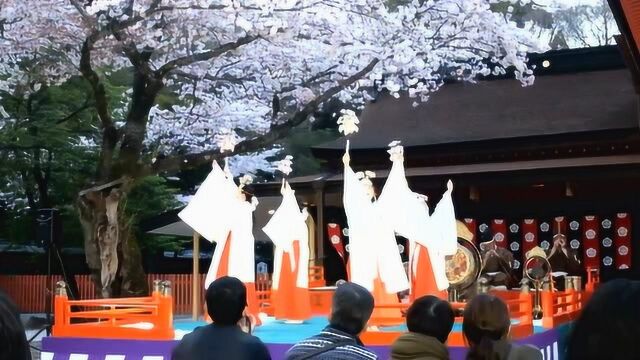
(42,164)
(149,197)
(42,138)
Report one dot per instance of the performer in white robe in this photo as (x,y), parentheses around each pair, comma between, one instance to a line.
(431,238)
(288,230)
(220,213)
(374,259)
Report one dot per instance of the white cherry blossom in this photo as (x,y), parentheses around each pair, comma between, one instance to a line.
(237,68)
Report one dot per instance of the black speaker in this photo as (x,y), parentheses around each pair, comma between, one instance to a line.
(49,228)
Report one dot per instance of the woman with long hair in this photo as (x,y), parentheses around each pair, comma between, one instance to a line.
(13,340)
(486,328)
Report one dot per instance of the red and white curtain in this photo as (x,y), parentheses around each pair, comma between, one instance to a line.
(601,241)
(334,232)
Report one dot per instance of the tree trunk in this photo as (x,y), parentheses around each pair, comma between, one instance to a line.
(112,253)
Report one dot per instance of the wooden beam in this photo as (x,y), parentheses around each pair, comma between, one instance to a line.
(195,283)
(318,187)
(114,183)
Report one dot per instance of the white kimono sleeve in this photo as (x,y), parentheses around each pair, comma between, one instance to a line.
(206,213)
(444,220)
(360,214)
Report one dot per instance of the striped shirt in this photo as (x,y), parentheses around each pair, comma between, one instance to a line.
(351,350)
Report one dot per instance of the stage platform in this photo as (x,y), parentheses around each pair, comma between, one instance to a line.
(278,336)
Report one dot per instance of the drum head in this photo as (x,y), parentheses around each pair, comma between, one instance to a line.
(463,268)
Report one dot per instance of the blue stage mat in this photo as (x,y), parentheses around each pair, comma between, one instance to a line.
(277,332)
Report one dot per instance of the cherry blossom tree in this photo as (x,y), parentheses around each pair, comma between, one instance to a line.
(246,71)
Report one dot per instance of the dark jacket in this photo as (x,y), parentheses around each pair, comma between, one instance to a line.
(414,346)
(13,340)
(214,342)
(509,351)
(352,349)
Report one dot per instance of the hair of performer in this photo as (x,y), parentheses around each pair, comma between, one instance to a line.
(431,316)
(351,308)
(486,320)
(226,300)
(13,341)
(609,325)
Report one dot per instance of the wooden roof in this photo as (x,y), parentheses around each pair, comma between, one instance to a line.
(568,103)
(627,15)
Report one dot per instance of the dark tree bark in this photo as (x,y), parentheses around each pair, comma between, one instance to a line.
(112,253)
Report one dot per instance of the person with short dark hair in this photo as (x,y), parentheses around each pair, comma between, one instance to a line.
(223,339)
(351,309)
(486,328)
(429,321)
(13,340)
(609,325)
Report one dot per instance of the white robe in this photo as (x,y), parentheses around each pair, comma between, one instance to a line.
(215,211)
(373,249)
(409,215)
(446,236)
(204,213)
(287,225)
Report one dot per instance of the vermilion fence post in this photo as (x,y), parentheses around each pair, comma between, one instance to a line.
(29,292)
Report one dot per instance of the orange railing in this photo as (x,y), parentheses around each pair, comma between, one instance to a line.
(520,308)
(316,276)
(263,292)
(593,280)
(29,292)
(149,318)
(561,306)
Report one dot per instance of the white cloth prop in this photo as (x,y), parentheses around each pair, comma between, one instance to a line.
(288,224)
(446,231)
(348,122)
(409,214)
(372,243)
(219,212)
(204,213)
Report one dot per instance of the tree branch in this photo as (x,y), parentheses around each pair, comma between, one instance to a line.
(224,78)
(99,93)
(277,132)
(204,56)
(84,107)
(83,13)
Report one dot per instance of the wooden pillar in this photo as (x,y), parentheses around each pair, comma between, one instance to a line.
(195,283)
(318,186)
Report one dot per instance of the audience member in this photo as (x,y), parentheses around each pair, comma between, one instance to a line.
(609,325)
(351,309)
(223,339)
(486,327)
(429,320)
(13,341)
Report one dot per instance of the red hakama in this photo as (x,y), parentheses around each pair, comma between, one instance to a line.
(291,302)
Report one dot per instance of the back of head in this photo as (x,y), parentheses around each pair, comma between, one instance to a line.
(226,299)
(13,341)
(431,316)
(486,320)
(351,309)
(609,325)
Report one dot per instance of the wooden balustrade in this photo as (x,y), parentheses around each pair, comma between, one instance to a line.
(520,308)
(147,318)
(29,292)
(561,306)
